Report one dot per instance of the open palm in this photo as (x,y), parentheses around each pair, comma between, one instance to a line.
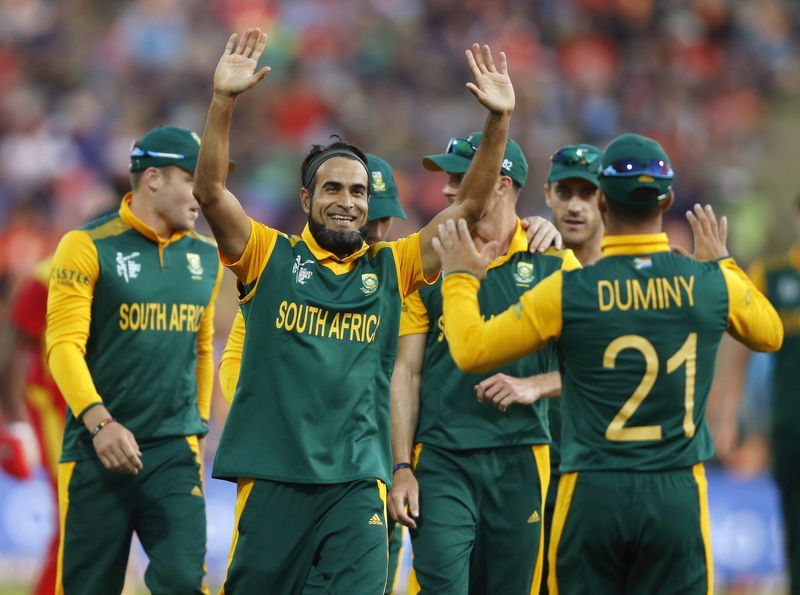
(236,70)
(492,86)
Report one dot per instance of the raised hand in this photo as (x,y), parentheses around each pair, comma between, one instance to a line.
(492,86)
(236,69)
(457,251)
(710,236)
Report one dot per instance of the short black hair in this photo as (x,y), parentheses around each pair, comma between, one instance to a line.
(337,143)
(629,214)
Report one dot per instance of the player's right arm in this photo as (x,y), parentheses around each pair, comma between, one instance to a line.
(235,74)
(231,361)
(69,312)
(403,499)
(493,89)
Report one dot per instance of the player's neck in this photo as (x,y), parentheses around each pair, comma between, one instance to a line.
(622,228)
(145,212)
(498,225)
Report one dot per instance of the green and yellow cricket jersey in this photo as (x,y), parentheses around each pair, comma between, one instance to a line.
(130,322)
(312,400)
(779,279)
(450,416)
(636,336)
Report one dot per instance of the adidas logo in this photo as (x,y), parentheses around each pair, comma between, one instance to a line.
(196,491)
(375,520)
(534,518)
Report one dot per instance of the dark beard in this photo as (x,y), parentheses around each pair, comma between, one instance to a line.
(341,243)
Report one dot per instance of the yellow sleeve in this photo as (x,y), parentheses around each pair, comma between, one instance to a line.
(758,275)
(569,262)
(256,253)
(69,315)
(478,346)
(408,259)
(232,358)
(205,353)
(414,318)
(752,319)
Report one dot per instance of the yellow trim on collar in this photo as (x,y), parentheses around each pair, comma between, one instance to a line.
(646,243)
(519,243)
(127,215)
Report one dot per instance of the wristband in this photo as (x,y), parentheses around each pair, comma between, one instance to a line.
(399,466)
(103,423)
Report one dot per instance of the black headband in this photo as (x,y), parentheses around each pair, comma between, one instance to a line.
(322,157)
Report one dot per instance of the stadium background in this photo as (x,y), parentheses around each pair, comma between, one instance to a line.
(717,82)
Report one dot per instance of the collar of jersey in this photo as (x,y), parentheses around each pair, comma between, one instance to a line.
(519,243)
(646,243)
(323,255)
(126,214)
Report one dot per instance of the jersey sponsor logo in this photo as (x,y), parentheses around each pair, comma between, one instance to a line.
(788,289)
(69,277)
(375,519)
(195,265)
(642,262)
(369,283)
(534,518)
(657,293)
(127,267)
(301,274)
(523,275)
(318,322)
(378,184)
(154,316)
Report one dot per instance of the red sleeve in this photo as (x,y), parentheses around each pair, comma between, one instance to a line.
(29,309)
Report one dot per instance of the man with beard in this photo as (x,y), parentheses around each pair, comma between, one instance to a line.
(307,437)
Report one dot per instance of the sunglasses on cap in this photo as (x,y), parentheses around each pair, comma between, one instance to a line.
(139,152)
(461,147)
(571,156)
(630,166)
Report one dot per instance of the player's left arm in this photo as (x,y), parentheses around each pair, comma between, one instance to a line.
(204,371)
(493,89)
(477,346)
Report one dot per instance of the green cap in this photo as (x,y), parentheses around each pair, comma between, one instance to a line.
(460,151)
(641,189)
(165,146)
(575,161)
(384,200)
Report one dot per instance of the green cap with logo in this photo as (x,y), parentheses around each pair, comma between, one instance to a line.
(460,151)
(635,170)
(384,200)
(575,161)
(165,146)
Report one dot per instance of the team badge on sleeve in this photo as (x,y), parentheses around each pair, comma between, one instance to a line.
(369,283)
(524,273)
(195,265)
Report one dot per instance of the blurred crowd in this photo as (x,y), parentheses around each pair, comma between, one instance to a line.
(82,79)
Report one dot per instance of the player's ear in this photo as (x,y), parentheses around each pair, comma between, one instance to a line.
(668,203)
(602,202)
(305,200)
(151,179)
(547,200)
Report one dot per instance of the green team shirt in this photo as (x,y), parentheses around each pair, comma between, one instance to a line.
(450,416)
(636,336)
(150,304)
(312,401)
(779,279)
